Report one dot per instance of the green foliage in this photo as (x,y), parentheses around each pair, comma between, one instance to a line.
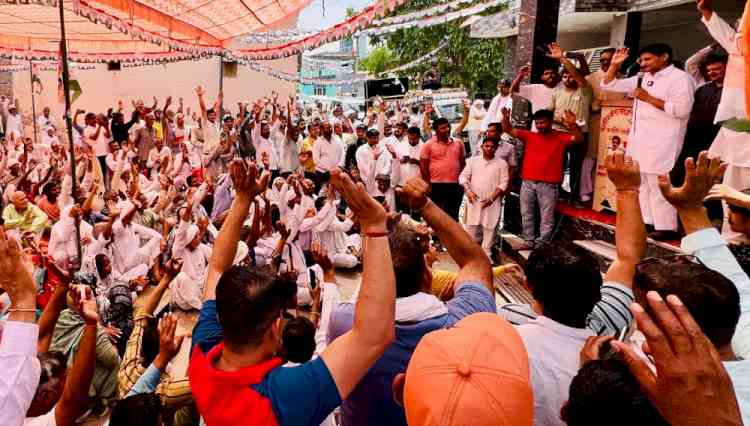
(474,64)
(378,61)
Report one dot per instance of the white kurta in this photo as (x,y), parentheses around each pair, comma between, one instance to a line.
(369,167)
(483,177)
(127,250)
(408,171)
(656,136)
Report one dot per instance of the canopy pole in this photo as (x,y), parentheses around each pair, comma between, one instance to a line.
(220,112)
(33,99)
(68,124)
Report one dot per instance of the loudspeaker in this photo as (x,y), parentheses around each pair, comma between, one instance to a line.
(114,66)
(230,69)
(387,87)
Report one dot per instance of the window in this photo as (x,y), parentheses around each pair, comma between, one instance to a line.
(319,90)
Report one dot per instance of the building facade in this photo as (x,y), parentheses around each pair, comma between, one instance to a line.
(590,24)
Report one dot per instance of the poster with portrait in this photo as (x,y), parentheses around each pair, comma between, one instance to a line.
(613,135)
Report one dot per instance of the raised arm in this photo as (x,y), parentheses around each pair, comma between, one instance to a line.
(74,401)
(350,356)
(474,266)
(523,72)
(464,119)
(618,58)
(202,103)
(630,233)
(556,53)
(507,127)
(247,187)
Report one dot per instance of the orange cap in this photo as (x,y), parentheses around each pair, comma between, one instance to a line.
(476,373)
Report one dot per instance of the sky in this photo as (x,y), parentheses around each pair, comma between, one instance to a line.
(312,16)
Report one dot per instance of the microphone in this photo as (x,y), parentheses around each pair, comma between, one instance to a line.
(640,79)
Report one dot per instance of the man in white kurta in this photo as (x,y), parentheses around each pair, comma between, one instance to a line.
(187,287)
(485,179)
(732,144)
(127,251)
(660,115)
(373,159)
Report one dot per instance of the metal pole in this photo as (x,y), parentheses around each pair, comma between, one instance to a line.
(33,99)
(68,124)
(220,112)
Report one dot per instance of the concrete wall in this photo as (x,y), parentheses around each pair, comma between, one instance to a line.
(102,89)
(573,41)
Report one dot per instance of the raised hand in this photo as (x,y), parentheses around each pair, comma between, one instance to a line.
(690,386)
(505,112)
(524,70)
(414,194)
(200,91)
(623,171)
(592,348)
(113,333)
(172,268)
(85,303)
(15,276)
(169,344)
(371,214)
(620,56)
(244,179)
(320,255)
(570,119)
(555,52)
(705,6)
(700,177)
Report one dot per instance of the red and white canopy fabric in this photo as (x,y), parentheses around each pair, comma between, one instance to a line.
(119,29)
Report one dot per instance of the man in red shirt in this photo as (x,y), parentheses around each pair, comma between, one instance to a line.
(441,160)
(235,372)
(542,169)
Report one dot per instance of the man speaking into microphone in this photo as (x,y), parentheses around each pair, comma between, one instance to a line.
(663,100)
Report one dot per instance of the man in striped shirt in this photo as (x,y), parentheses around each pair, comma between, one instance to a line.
(571,301)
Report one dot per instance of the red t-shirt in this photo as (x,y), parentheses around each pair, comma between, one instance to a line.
(543,155)
(444,158)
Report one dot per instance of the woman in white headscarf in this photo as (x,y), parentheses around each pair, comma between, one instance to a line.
(476,116)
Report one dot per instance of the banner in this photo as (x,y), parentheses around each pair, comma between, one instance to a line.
(613,135)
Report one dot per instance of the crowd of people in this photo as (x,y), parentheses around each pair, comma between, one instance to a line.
(245,218)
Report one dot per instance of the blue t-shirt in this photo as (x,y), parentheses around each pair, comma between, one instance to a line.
(371,402)
(301,395)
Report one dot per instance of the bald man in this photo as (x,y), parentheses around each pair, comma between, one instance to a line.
(21,216)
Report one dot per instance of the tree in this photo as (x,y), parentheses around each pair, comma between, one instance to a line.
(378,61)
(474,64)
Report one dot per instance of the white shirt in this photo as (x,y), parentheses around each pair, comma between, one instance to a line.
(539,95)
(732,103)
(656,136)
(288,155)
(369,167)
(100,145)
(409,171)
(14,124)
(157,155)
(494,113)
(554,357)
(328,154)
(42,122)
(483,177)
(20,370)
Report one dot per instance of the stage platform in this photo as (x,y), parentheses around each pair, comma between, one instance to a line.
(594,231)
